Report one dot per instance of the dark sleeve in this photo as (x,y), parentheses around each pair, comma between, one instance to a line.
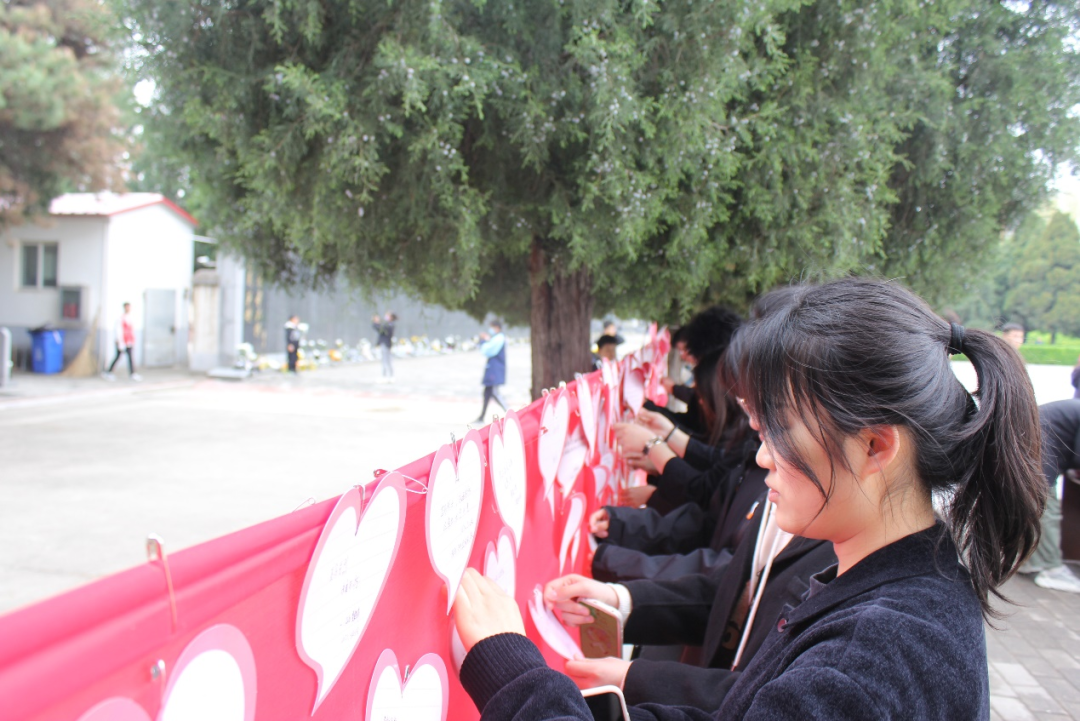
(507,678)
(613,564)
(683,392)
(682,483)
(643,529)
(701,455)
(1076,377)
(671,612)
(677,684)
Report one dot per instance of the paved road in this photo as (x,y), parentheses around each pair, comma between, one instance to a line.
(89,468)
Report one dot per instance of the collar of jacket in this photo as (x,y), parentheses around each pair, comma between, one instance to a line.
(929,552)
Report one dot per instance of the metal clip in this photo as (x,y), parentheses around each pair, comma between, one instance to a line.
(155,547)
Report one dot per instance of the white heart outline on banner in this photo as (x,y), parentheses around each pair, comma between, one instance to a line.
(506,454)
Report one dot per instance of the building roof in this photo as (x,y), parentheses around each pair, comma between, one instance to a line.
(107,204)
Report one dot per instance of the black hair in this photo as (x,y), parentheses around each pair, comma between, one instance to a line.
(710,330)
(1012,326)
(606,340)
(858,353)
(711,395)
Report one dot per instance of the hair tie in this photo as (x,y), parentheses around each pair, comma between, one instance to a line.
(956,339)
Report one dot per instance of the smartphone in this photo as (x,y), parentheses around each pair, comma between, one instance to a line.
(604,636)
(606,703)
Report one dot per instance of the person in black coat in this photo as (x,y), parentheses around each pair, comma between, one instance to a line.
(1060,453)
(862,423)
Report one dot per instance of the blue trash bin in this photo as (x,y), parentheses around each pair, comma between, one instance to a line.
(48,350)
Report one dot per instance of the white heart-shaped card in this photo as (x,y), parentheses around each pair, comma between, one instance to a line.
(506,449)
(345,577)
(423,696)
(454,494)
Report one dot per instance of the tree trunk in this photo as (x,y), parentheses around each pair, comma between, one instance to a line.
(561,312)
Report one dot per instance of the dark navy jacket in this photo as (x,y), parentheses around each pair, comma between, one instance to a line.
(899,636)
(495,370)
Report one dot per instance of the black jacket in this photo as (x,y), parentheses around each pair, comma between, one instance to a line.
(720,530)
(1060,422)
(700,610)
(899,636)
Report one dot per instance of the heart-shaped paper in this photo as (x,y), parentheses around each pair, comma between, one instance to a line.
(506,448)
(573,515)
(346,576)
(586,411)
(551,631)
(213,679)
(575,452)
(500,564)
(554,423)
(633,389)
(423,696)
(454,494)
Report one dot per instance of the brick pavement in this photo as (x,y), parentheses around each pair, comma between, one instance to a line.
(1035,654)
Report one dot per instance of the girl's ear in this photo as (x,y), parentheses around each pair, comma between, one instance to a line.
(879,447)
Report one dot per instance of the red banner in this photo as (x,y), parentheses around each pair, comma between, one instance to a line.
(342,609)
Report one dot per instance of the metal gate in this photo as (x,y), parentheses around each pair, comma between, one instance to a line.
(159,328)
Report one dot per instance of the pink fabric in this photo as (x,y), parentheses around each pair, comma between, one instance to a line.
(64,656)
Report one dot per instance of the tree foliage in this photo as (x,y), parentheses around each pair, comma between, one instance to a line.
(1044,287)
(59,82)
(671,152)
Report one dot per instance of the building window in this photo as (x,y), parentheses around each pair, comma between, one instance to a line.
(39,265)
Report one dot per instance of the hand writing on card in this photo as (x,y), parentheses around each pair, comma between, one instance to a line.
(598,523)
(636,497)
(658,423)
(482,609)
(562,594)
(632,437)
(593,672)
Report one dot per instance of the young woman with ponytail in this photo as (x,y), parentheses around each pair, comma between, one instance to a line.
(863,425)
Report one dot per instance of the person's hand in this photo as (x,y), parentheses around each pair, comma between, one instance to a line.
(658,423)
(375,319)
(482,609)
(598,523)
(641,462)
(593,672)
(636,496)
(631,437)
(668,384)
(291,347)
(562,594)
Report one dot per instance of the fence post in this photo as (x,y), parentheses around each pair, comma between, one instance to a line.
(5,356)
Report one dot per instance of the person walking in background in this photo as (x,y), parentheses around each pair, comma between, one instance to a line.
(1060,453)
(385,328)
(494,348)
(125,341)
(292,341)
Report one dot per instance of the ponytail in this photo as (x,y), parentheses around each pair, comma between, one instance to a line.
(994,513)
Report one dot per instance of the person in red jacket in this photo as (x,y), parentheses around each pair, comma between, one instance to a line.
(125,341)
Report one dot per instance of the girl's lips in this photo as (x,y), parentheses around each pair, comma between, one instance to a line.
(773,496)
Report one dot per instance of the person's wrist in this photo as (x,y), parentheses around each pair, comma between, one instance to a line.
(669,434)
(652,443)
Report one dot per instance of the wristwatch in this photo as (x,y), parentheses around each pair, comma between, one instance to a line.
(652,442)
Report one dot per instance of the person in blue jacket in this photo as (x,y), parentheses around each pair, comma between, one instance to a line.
(862,424)
(493,347)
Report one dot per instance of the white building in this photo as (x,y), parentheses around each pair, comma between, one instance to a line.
(93,253)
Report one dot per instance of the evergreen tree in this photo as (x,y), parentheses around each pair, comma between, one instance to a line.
(59,84)
(564,157)
(1045,281)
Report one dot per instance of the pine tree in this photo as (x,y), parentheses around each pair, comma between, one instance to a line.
(59,82)
(1045,282)
(564,157)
